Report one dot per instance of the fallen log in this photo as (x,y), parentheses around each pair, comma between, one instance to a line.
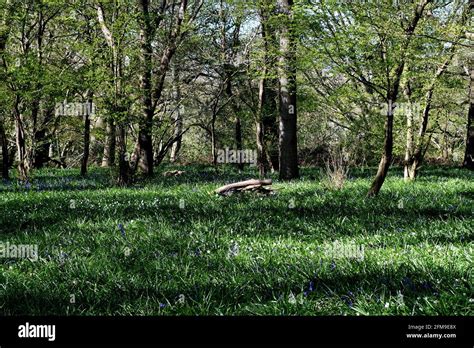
(248,185)
(173,173)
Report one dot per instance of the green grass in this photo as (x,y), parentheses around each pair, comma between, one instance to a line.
(239,255)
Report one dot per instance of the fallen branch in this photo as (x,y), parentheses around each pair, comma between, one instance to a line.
(249,185)
(173,173)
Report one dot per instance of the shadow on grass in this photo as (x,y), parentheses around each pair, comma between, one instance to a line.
(110,296)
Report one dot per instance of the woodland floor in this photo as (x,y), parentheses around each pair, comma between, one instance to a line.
(169,246)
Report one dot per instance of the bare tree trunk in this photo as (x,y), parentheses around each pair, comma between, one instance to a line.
(409,135)
(238,139)
(145,142)
(267,131)
(108,158)
(87,139)
(271,127)
(387,155)
(288,114)
(268,107)
(469,153)
(37,154)
(262,162)
(177,117)
(43,140)
(213,140)
(5,159)
(123,178)
(20,143)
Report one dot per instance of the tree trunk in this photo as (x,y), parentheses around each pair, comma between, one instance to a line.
(4,32)
(469,153)
(5,159)
(39,148)
(124,178)
(414,156)
(409,135)
(108,158)
(238,139)
(20,143)
(387,155)
(267,130)
(177,118)
(392,97)
(262,160)
(43,141)
(270,124)
(214,140)
(288,113)
(267,123)
(87,139)
(145,140)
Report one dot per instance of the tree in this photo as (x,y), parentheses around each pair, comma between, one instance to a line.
(469,153)
(392,97)
(152,89)
(416,147)
(4,33)
(266,120)
(288,145)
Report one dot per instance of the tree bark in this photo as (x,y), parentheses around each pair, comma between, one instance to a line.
(108,158)
(266,123)
(124,177)
(5,159)
(4,32)
(87,139)
(268,107)
(409,137)
(243,184)
(387,155)
(214,139)
(288,144)
(238,138)
(177,117)
(469,153)
(20,142)
(145,141)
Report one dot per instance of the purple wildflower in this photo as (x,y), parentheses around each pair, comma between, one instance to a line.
(122,230)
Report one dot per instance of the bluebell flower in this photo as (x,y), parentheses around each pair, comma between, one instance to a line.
(122,230)
(311,286)
(333,265)
(347,300)
(162,305)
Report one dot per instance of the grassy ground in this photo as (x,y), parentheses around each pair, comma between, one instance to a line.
(169,246)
